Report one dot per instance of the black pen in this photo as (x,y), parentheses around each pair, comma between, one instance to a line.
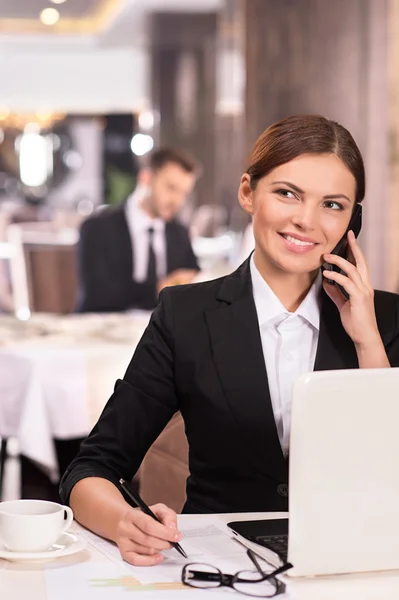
(138,502)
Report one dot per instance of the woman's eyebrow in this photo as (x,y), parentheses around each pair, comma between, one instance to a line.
(336,196)
(291,185)
(299,191)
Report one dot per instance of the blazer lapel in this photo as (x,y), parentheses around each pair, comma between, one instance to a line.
(335,349)
(238,356)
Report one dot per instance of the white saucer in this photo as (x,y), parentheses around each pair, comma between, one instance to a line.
(68,543)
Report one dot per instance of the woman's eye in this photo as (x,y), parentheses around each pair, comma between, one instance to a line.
(286,193)
(333,205)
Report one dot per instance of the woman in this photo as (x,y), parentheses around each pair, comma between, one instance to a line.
(226,352)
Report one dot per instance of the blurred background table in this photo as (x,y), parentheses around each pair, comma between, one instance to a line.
(56,375)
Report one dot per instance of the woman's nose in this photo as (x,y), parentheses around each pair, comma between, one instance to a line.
(305,217)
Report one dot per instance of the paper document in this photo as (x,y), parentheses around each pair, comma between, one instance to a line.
(210,543)
(207,544)
(91,581)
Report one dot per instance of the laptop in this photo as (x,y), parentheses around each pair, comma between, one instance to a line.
(343,477)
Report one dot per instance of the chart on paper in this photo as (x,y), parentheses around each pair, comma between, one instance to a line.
(102,582)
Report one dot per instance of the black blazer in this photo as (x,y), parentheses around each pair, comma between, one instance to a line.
(105,263)
(202,354)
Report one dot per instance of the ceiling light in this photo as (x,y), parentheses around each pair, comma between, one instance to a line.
(58,1)
(146,119)
(49,16)
(141,144)
(35,159)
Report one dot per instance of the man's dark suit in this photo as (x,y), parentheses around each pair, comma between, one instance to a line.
(202,354)
(105,263)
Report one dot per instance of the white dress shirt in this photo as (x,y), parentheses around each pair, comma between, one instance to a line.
(139,222)
(289,342)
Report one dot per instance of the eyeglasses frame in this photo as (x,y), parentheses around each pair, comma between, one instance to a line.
(227,580)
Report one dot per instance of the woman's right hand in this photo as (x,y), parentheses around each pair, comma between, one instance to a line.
(141,539)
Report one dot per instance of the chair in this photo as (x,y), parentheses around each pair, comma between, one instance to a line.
(164,470)
(42,268)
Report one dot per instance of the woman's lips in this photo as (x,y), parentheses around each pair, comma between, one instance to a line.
(296,245)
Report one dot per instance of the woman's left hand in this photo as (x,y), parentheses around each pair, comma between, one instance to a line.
(357,313)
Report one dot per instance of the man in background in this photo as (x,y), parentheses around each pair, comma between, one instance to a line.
(127,254)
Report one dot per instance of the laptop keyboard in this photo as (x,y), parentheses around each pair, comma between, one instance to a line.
(277,543)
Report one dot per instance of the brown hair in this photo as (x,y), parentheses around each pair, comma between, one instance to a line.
(163,156)
(308,134)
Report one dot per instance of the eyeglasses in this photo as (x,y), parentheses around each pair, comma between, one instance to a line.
(251,583)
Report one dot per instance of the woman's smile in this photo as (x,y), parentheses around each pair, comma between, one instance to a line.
(297,243)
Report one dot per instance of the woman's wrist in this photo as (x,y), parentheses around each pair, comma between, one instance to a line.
(371,354)
(98,505)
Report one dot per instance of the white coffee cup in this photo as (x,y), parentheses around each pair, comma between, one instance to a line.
(32,525)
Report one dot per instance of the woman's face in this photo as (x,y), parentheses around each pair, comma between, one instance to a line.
(300,211)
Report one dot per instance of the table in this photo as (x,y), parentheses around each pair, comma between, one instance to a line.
(56,375)
(19,581)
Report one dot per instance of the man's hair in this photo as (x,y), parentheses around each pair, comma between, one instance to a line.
(163,156)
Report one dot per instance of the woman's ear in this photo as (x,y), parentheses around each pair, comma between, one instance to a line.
(245,194)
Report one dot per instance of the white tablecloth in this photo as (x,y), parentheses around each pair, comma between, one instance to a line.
(55,383)
(19,581)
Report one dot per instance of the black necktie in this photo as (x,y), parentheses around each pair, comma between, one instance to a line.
(152,263)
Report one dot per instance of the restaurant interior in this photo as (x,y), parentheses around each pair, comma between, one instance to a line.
(88,89)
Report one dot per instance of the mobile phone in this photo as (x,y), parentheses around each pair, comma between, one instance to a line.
(341,249)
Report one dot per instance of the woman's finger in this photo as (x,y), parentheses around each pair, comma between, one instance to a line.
(360,260)
(335,294)
(140,560)
(349,286)
(165,514)
(127,545)
(149,526)
(137,536)
(351,271)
